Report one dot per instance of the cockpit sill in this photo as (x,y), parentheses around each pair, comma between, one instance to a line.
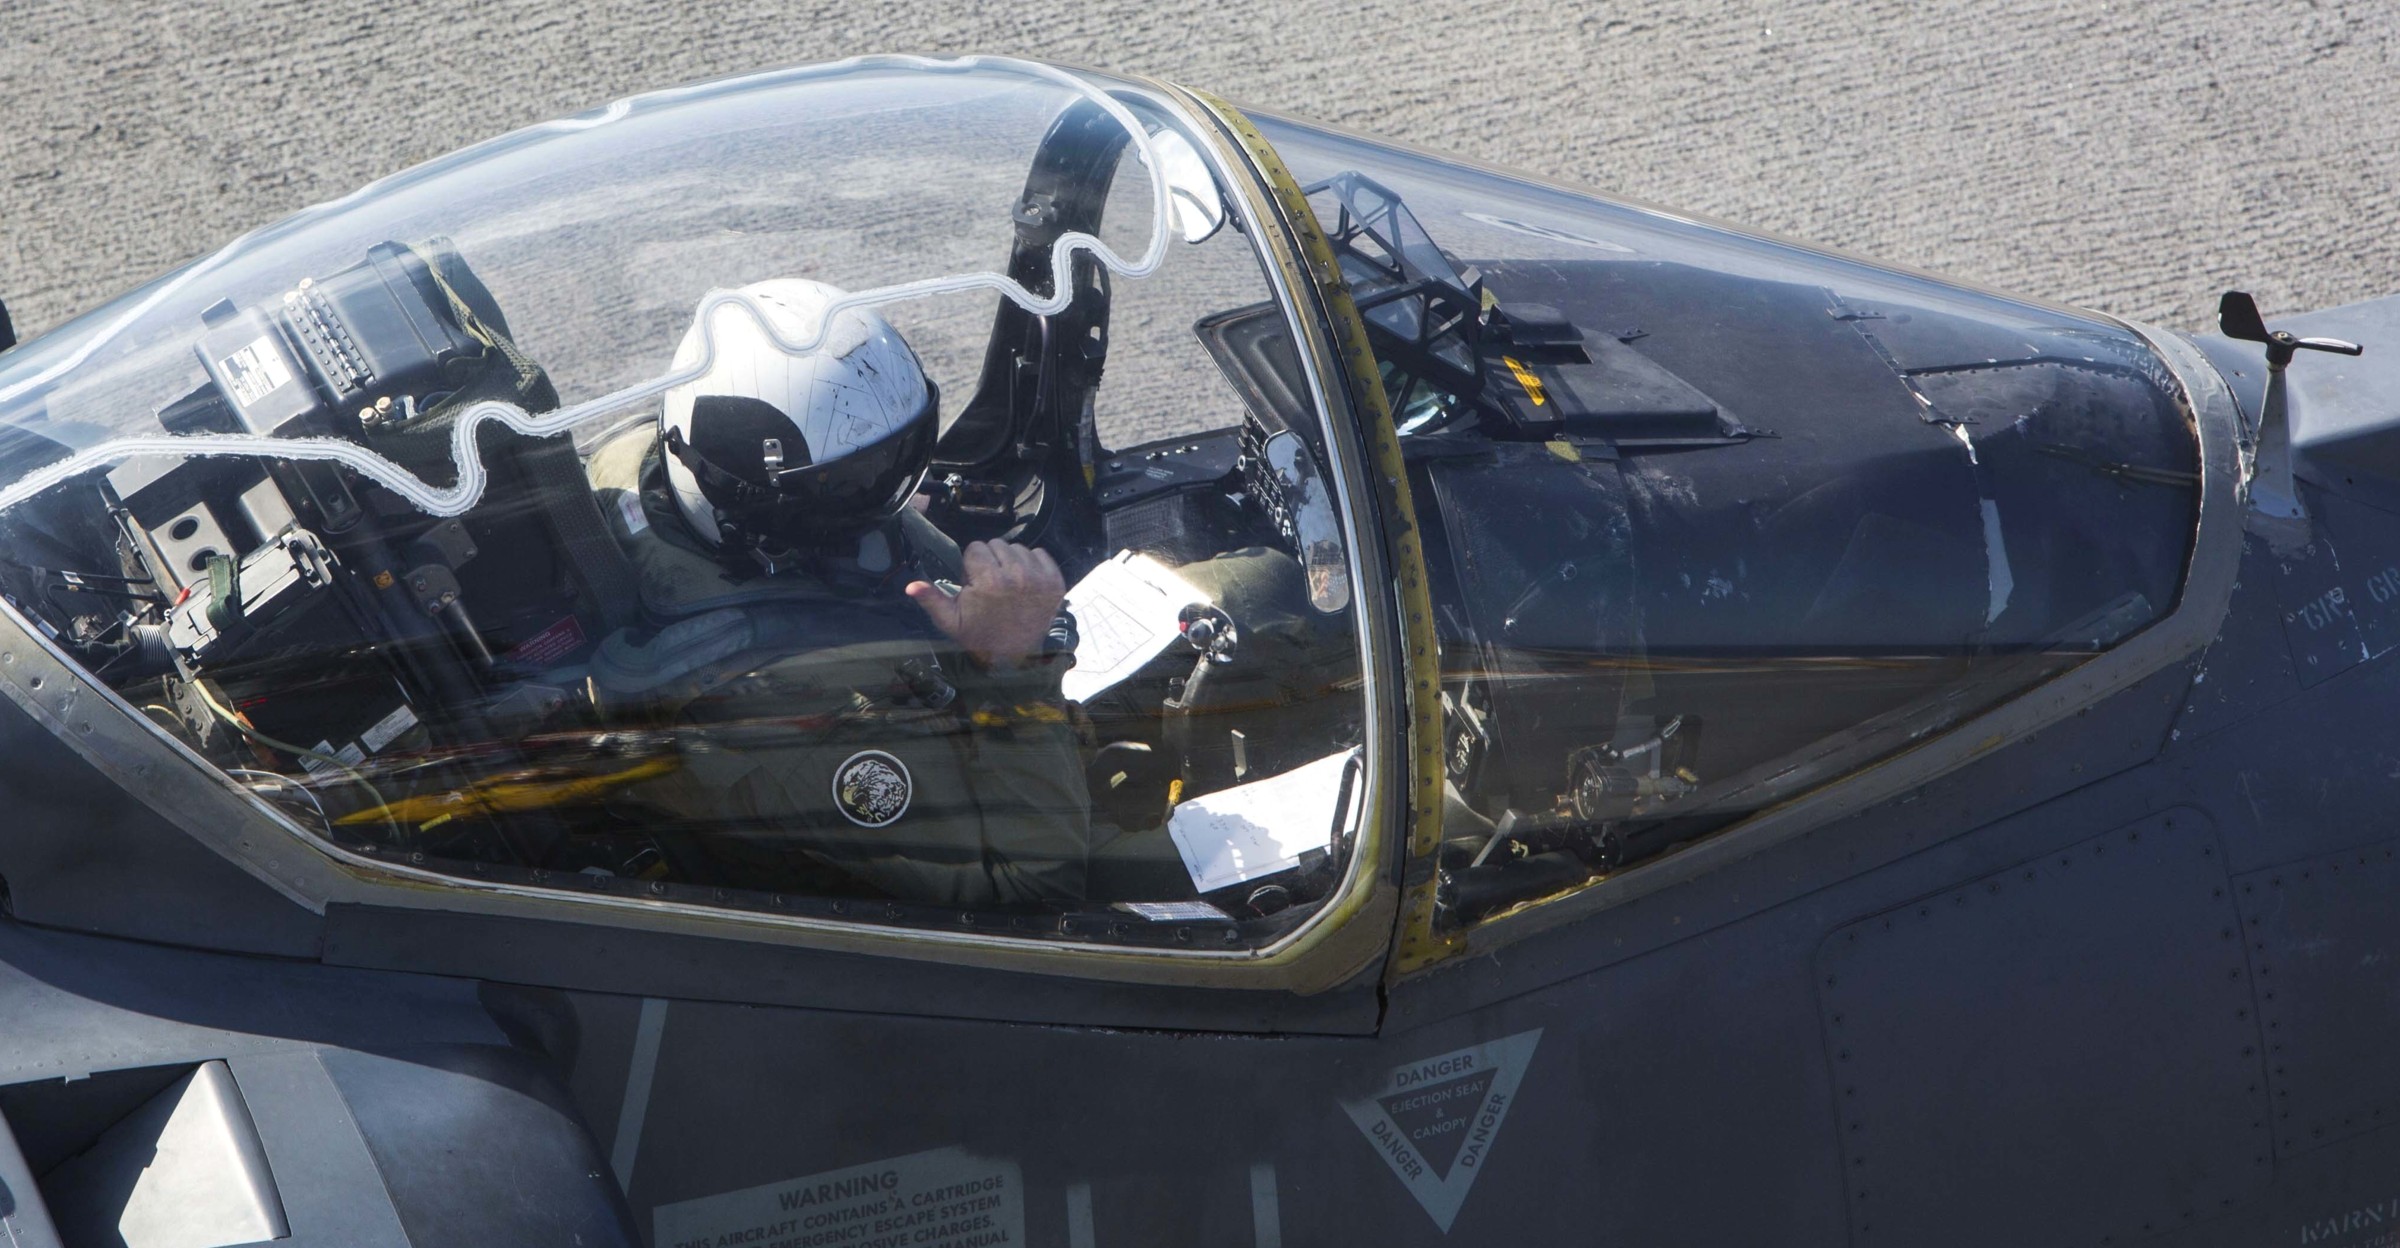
(1330,947)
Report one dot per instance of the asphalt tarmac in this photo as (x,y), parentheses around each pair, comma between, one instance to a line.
(2132,157)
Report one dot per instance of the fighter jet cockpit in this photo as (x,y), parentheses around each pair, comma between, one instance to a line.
(925,495)
(838,495)
(1712,519)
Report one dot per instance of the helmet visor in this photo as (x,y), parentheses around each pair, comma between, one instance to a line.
(810,504)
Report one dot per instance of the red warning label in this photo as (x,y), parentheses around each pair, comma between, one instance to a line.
(548,646)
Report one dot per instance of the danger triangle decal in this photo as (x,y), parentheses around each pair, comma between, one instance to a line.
(1434,1120)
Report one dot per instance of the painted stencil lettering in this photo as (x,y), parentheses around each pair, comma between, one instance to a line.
(945,1198)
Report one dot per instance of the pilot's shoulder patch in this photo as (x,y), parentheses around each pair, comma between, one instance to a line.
(872,788)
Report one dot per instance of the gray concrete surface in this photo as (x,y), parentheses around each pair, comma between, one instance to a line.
(2135,157)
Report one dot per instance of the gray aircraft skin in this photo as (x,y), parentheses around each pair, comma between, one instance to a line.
(2075,931)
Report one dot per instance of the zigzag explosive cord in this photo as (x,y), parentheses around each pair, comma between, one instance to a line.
(472,477)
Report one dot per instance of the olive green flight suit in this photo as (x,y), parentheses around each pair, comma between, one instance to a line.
(818,729)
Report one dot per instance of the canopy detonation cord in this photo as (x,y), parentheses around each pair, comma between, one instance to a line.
(472,476)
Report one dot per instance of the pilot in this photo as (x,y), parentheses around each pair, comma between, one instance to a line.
(850,690)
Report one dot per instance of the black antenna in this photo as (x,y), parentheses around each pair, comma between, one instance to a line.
(2237,317)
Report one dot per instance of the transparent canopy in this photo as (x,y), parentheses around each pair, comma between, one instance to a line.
(373,511)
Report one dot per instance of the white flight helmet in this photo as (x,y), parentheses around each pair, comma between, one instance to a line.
(795,450)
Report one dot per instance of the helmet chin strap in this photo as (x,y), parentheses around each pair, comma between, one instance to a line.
(860,560)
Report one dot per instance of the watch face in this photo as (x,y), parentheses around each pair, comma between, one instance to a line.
(872,789)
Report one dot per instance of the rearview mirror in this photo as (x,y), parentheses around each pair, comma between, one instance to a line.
(1191,190)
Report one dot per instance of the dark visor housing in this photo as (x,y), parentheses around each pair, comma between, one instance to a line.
(754,469)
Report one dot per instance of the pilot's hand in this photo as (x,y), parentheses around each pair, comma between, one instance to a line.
(1005,609)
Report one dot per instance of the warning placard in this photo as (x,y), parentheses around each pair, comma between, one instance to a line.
(1434,1120)
(946,1198)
